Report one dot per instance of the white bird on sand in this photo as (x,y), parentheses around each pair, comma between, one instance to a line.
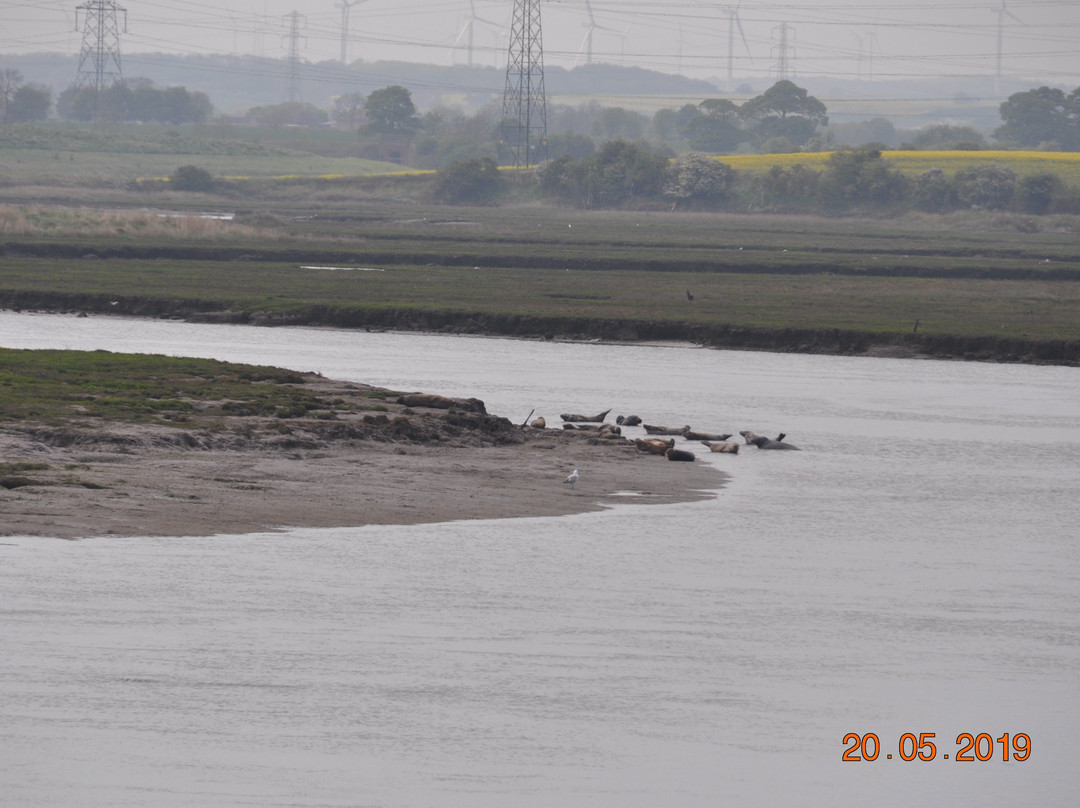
(573,478)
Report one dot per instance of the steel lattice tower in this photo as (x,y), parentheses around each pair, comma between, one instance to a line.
(783,66)
(294,55)
(524,124)
(99,58)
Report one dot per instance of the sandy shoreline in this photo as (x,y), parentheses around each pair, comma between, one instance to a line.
(139,483)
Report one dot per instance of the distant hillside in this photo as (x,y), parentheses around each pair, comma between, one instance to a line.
(235,83)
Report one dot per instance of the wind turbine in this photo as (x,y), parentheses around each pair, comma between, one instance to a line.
(592,26)
(345,6)
(1002,13)
(680,47)
(467,30)
(733,21)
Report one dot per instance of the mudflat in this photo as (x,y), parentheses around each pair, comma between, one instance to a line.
(408,464)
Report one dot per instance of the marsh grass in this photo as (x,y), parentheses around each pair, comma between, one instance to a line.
(59,387)
(71,223)
(776,272)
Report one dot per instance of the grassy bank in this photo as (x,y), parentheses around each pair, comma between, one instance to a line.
(76,234)
(766,282)
(62,387)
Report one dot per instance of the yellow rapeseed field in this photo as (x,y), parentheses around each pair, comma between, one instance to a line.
(1065,164)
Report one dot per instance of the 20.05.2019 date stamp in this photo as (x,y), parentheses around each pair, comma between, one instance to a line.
(970,747)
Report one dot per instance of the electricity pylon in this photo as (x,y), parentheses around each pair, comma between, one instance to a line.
(294,55)
(524,123)
(1002,13)
(99,58)
(783,66)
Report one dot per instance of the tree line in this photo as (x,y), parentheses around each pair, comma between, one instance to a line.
(784,118)
(624,174)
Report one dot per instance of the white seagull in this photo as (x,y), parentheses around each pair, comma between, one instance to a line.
(573,478)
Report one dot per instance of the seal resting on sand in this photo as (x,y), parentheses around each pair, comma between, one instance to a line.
(769,443)
(442,402)
(679,454)
(722,448)
(694,435)
(666,430)
(653,445)
(575,418)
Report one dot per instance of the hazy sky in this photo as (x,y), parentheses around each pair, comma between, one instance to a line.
(877,39)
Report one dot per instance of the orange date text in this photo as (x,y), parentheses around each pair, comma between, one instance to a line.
(970,747)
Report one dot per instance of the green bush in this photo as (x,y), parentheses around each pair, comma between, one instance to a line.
(476,181)
(191,178)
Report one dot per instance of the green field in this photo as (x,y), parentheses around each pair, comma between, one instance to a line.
(296,250)
(1064,164)
(65,155)
(877,277)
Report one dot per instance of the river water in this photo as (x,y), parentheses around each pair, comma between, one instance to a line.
(914,569)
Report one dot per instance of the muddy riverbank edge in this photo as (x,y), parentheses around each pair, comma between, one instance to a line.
(838,342)
(409,464)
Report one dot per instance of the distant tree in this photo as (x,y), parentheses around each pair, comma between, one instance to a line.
(778,144)
(76,104)
(665,124)
(1036,117)
(987,186)
(619,172)
(670,124)
(349,110)
(616,123)
(288,113)
(863,133)
(21,102)
(696,178)
(10,81)
(173,105)
(191,178)
(948,136)
(391,114)
(1036,193)
(560,179)
(859,177)
(114,103)
(787,189)
(570,144)
(716,128)
(722,108)
(784,110)
(708,134)
(934,191)
(474,181)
